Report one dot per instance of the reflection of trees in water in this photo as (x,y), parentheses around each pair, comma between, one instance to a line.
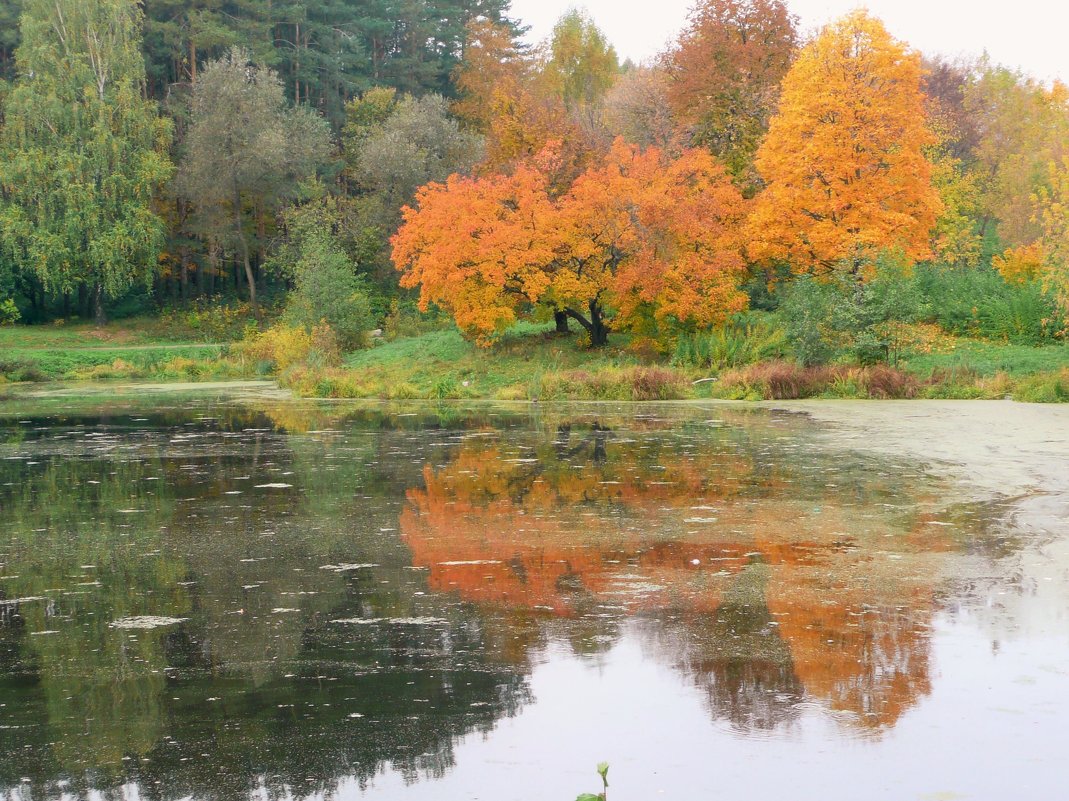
(527,528)
(584,523)
(735,654)
(257,678)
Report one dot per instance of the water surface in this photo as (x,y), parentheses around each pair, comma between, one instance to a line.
(251,597)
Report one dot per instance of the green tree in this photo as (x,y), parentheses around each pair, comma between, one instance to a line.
(10,11)
(82,154)
(246,154)
(416,144)
(581,63)
(326,285)
(392,147)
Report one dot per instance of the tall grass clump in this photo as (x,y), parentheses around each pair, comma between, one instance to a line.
(1050,387)
(746,339)
(628,384)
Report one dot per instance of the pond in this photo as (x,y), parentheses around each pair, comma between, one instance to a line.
(238,595)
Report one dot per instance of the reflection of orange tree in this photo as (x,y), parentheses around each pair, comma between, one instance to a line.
(856,611)
(639,529)
(501,529)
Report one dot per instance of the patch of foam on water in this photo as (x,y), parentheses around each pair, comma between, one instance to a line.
(405,621)
(17,601)
(146,622)
(343,568)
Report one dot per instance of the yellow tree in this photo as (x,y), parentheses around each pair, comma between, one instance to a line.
(1052,214)
(1023,126)
(843,162)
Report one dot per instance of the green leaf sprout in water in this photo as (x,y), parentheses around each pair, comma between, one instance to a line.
(603,772)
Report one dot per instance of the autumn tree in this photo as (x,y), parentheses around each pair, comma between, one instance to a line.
(1052,214)
(581,64)
(637,108)
(522,100)
(1023,126)
(246,153)
(82,153)
(724,74)
(494,65)
(844,158)
(640,242)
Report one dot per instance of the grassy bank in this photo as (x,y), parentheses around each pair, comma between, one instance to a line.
(535,364)
(532,363)
(146,348)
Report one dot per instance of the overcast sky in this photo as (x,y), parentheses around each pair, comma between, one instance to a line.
(1029,34)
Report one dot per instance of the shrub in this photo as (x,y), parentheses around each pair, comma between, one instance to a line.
(117,369)
(283,346)
(882,381)
(327,289)
(9,312)
(978,302)
(208,320)
(868,322)
(788,381)
(406,320)
(963,383)
(746,339)
(1044,388)
(21,370)
(807,309)
(635,383)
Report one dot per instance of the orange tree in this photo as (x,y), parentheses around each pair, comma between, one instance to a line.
(844,158)
(640,242)
(724,74)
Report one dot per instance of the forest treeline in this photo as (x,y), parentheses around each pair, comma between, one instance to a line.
(341,157)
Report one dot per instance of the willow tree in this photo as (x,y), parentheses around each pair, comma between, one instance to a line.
(82,153)
(246,153)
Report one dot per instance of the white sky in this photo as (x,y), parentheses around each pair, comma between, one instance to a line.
(1029,34)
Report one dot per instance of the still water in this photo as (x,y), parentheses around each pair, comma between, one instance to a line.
(250,598)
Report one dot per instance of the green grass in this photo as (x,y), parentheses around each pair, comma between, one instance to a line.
(146,347)
(67,363)
(529,362)
(989,358)
(443,364)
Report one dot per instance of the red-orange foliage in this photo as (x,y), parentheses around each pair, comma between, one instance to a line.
(725,72)
(640,239)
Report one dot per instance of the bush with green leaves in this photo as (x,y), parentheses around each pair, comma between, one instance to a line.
(842,317)
(326,286)
(9,312)
(327,289)
(808,309)
(978,302)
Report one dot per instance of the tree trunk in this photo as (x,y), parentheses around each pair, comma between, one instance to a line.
(249,277)
(98,305)
(595,326)
(599,331)
(561,320)
(183,278)
(245,252)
